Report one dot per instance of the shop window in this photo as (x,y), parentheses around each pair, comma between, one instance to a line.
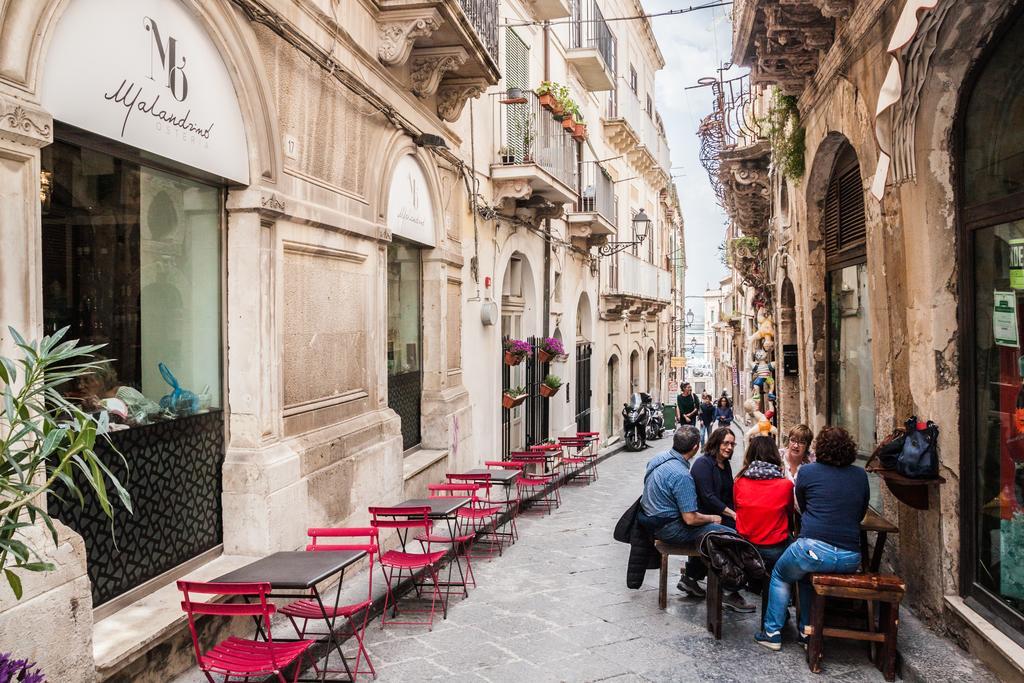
(131,260)
(992,400)
(405,374)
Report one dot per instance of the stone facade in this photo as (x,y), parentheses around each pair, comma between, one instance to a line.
(833,57)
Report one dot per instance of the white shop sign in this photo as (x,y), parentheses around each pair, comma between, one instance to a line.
(145,73)
(410,210)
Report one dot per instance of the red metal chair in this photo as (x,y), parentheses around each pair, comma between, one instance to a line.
(577,459)
(304,610)
(481,515)
(513,502)
(461,537)
(506,504)
(405,520)
(594,438)
(538,489)
(237,657)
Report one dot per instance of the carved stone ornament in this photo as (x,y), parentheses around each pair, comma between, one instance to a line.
(516,188)
(24,125)
(431,64)
(398,30)
(272,203)
(454,93)
(747,187)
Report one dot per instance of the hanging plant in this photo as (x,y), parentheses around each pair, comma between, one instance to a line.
(551,385)
(516,351)
(786,135)
(549,348)
(513,397)
(744,248)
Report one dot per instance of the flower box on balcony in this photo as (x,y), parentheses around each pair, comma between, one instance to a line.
(568,123)
(549,102)
(579,132)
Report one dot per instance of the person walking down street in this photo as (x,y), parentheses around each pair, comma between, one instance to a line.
(797,451)
(707,417)
(687,405)
(723,413)
(833,496)
(764,500)
(712,475)
(669,507)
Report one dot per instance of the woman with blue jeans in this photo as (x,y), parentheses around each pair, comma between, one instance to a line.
(833,496)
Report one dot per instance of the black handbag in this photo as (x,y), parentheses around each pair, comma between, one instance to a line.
(888,452)
(624,527)
(919,458)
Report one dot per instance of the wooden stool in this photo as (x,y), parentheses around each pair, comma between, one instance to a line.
(713,599)
(886,589)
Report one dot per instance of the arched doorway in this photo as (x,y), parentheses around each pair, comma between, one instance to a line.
(584,351)
(613,373)
(634,371)
(850,398)
(788,406)
(527,423)
(991,169)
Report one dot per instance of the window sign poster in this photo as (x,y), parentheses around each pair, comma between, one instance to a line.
(1017,263)
(1004,319)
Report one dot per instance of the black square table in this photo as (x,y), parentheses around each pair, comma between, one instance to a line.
(440,508)
(504,477)
(298,573)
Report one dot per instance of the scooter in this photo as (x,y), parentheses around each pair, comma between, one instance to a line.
(635,416)
(656,425)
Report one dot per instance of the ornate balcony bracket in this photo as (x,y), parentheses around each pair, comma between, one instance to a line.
(454,93)
(431,64)
(515,188)
(747,187)
(399,29)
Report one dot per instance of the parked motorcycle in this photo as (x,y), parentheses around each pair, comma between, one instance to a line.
(635,416)
(656,425)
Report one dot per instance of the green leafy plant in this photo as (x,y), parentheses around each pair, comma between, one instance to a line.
(516,392)
(786,135)
(743,247)
(45,440)
(553,381)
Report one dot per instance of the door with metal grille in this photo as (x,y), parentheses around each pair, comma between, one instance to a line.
(583,353)
(536,405)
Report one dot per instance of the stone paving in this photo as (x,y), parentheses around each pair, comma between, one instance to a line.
(555,607)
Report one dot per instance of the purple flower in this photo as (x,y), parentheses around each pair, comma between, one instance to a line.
(518,347)
(553,346)
(18,671)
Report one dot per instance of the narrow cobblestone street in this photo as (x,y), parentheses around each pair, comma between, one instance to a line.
(555,607)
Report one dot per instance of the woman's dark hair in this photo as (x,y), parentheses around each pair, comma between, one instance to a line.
(761,449)
(834,446)
(714,441)
(723,402)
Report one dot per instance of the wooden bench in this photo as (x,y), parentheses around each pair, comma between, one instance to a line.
(886,589)
(713,599)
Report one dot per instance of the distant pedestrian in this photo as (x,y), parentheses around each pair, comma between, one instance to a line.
(833,496)
(687,406)
(723,413)
(707,417)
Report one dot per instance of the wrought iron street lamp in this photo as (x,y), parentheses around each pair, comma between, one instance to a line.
(641,227)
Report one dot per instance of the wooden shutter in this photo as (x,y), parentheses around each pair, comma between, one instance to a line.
(517,75)
(842,224)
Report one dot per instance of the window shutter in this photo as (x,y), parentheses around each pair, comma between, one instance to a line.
(517,75)
(842,224)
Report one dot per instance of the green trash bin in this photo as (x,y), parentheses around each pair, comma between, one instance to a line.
(670,416)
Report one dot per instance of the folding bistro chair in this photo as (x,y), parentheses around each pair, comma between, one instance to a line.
(323,540)
(576,459)
(405,520)
(594,438)
(513,502)
(481,516)
(237,657)
(536,488)
(506,505)
(461,537)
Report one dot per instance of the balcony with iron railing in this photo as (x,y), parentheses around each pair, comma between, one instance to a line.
(592,46)
(451,47)
(632,131)
(536,154)
(593,214)
(633,286)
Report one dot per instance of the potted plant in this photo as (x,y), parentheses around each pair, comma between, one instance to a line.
(506,156)
(514,96)
(571,113)
(551,385)
(548,348)
(548,94)
(513,397)
(516,351)
(579,132)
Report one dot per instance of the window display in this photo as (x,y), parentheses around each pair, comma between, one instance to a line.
(131,260)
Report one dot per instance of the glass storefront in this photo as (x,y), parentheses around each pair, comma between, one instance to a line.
(993,399)
(405,374)
(131,260)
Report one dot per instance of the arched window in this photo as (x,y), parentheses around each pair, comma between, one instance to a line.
(991,165)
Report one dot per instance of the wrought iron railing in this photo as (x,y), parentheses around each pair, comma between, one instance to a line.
(733,122)
(483,14)
(597,193)
(589,29)
(637,277)
(529,133)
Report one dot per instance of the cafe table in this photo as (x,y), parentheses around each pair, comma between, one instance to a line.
(882,527)
(506,478)
(441,508)
(295,575)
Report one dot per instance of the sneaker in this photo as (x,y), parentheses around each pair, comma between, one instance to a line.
(803,640)
(690,587)
(736,603)
(772,642)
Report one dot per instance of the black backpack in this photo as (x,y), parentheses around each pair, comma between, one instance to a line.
(919,457)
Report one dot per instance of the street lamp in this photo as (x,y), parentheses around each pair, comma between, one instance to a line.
(689,317)
(641,227)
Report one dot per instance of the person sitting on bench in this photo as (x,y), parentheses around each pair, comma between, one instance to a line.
(833,496)
(668,507)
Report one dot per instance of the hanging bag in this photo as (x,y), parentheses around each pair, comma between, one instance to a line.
(888,451)
(919,458)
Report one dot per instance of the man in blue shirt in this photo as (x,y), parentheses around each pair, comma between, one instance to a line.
(668,508)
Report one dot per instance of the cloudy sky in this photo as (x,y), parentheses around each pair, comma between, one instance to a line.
(694,45)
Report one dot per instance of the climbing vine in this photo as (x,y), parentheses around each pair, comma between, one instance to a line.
(786,135)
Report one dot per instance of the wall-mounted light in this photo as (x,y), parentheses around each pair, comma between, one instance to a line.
(641,227)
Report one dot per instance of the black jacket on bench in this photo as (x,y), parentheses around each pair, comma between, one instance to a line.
(642,553)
